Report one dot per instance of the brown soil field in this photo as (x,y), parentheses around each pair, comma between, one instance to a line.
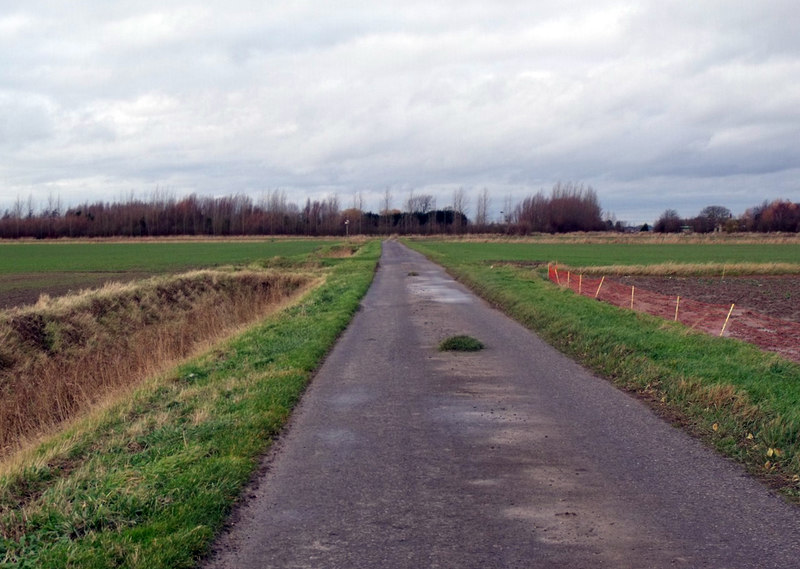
(776,296)
(766,309)
(22,289)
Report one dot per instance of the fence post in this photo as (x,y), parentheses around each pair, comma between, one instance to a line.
(677,304)
(632,289)
(726,320)
(598,286)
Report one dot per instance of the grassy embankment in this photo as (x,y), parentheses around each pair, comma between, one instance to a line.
(63,355)
(744,401)
(148,481)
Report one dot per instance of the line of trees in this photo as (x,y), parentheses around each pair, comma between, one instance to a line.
(778,215)
(568,207)
(274,214)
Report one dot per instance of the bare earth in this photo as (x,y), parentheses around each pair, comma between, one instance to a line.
(402,456)
(776,296)
(766,313)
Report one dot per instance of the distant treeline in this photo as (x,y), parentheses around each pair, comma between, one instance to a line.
(778,215)
(216,216)
(568,207)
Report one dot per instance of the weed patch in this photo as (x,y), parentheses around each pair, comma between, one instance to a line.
(460,343)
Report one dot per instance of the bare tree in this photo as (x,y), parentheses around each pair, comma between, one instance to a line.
(459,209)
(422,203)
(386,202)
(460,201)
(712,218)
(508,209)
(482,208)
(386,210)
(358,208)
(31,207)
(669,222)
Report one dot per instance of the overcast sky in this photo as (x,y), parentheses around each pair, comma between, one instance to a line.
(659,104)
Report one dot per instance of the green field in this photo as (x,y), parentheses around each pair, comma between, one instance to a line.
(584,254)
(152,257)
(30,269)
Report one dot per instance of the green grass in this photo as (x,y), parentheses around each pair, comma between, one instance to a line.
(149,482)
(460,343)
(86,256)
(595,254)
(744,401)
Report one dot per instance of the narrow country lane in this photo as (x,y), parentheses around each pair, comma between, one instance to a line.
(515,456)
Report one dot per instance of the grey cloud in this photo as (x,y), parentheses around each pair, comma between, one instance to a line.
(638,99)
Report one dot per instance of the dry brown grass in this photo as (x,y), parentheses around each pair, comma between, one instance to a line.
(62,356)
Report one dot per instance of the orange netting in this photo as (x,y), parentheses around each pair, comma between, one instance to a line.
(782,336)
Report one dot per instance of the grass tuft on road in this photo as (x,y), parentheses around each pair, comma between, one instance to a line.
(744,401)
(148,482)
(460,343)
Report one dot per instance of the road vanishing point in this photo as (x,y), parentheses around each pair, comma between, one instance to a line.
(401,456)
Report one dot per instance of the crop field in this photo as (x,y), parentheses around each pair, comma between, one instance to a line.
(29,269)
(737,397)
(620,254)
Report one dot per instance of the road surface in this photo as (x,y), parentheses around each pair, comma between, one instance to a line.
(400,456)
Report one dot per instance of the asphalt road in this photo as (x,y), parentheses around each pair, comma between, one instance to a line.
(515,456)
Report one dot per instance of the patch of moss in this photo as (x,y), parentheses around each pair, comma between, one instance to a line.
(460,343)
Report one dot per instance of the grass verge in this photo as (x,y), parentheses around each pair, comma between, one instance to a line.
(149,481)
(743,401)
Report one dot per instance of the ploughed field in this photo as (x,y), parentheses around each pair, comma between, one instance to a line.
(777,296)
(761,310)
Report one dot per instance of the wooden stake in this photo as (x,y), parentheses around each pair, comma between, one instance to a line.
(598,286)
(580,284)
(726,320)
(558,281)
(677,304)
(567,279)
(632,289)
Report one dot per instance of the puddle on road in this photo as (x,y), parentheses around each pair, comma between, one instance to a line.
(437,289)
